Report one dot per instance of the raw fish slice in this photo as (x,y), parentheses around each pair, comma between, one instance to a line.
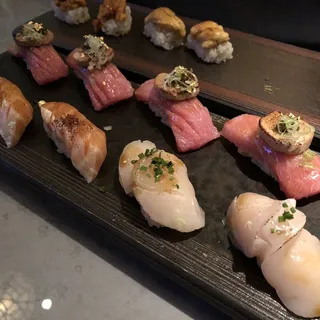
(246,215)
(169,202)
(15,112)
(76,137)
(294,271)
(130,153)
(296,179)
(274,234)
(105,87)
(189,120)
(44,63)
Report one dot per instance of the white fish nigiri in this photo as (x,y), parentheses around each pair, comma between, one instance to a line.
(294,271)
(159,181)
(131,152)
(246,215)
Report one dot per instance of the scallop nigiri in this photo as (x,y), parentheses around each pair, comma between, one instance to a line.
(75,136)
(294,271)
(289,255)
(15,112)
(159,181)
(251,218)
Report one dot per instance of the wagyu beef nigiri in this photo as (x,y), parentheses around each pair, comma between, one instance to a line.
(173,98)
(298,174)
(15,112)
(105,83)
(75,136)
(33,45)
(159,181)
(288,254)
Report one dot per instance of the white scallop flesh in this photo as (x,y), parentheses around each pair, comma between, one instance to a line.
(246,215)
(131,152)
(170,202)
(294,272)
(274,234)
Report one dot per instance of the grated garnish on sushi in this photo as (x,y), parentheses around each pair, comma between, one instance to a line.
(106,85)
(33,45)
(173,98)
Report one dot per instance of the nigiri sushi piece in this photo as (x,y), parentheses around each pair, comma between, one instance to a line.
(164,28)
(33,45)
(71,11)
(289,255)
(294,272)
(210,42)
(75,136)
(298,174)
(173,98)
(15,112)
(106,85)
(114,18)
(159,181)
(253,221)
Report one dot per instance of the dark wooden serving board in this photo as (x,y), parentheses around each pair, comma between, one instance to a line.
(203,261)
(293,73)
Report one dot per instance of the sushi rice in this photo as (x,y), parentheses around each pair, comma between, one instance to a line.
(76,16)
(221,53)
(118,28)
(166,40)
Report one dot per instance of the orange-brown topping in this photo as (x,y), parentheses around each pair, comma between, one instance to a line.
(166,19)
(209,33)
(110,9)
(68,5)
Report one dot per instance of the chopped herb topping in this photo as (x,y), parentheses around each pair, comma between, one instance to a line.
(98,52)
(181,79)
(307,158)
(285,216)
(178,187)
(288,124)
(272,230)
(285,205)
(158,163)
(293,210)
(33,31)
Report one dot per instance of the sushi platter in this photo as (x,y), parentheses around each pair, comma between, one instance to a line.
(189,168)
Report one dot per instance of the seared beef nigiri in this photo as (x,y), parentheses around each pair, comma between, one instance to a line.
(289,255)
(159,181)
(33,44)
(106,85)
(76,137)
(15,112)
